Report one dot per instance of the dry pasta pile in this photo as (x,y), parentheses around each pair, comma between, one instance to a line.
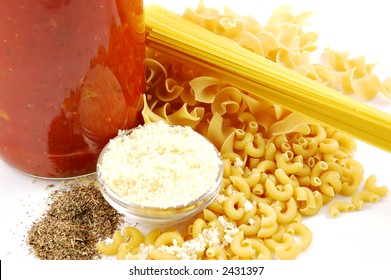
(192,44)
(279,166)
(284,41)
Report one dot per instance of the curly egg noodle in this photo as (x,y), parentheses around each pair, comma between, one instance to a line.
(279,166)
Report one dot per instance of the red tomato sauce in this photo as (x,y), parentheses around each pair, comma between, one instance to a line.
(71,76)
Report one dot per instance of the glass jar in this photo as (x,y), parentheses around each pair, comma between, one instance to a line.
(71,75)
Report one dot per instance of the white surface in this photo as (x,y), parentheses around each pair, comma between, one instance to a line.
(357,27)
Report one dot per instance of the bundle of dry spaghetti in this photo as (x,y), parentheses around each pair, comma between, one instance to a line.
(172,34)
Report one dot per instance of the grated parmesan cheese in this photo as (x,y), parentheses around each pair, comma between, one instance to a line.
(209,237)
(160,165)
(238,162)
(251,221)
(143,254)
(230,190)
(108,241)
(221,198)
(230,229)
(248,206)
(190,248)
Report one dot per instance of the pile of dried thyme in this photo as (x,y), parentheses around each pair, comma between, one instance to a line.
(77,218)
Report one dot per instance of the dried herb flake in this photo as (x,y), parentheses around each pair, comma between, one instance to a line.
(77,218)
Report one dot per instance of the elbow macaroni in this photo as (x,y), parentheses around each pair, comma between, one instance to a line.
(359,198)
(110,248)
(338,206)
(370,185)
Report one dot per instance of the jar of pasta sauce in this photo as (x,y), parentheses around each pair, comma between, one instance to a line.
(71,76)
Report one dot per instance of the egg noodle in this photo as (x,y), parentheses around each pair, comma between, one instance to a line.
(279,164)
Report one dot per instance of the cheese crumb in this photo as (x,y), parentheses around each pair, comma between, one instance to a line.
(108,241)
(160,165)
(207,238)
(190,249)
(143,254)
(230,229)
(248,206)
(221,198)
(238,162)
(230,190)
(251,221)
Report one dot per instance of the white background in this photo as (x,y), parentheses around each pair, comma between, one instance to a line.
(361,27)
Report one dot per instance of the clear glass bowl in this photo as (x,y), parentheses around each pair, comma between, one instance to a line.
(154,216)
